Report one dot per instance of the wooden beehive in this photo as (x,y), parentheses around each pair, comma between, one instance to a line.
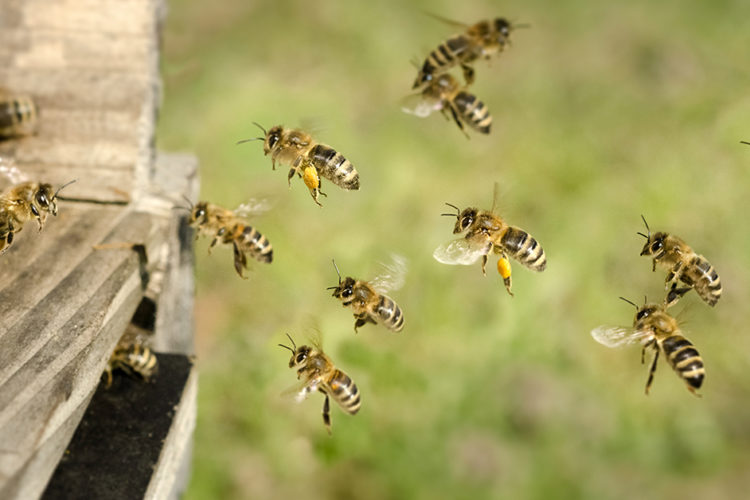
(91,66)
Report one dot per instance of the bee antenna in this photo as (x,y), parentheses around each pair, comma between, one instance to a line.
(458,210)
(745,142)
(647,228)
(251,140)
(337,272)
(293,344)
(63,186)
(260,127)
(640,233)
(190,203)
(630,302)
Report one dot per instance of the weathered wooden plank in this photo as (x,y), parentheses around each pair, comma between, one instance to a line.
(60,332)
(92,68)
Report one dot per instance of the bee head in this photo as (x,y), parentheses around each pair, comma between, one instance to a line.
(272,138)
(644,311)
(464,219)
(43,202)
(299,355)
(345,289)
(198,214)
(503,27)
(654,242)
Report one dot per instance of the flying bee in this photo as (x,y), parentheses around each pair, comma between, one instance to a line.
(23,202)
(308,159)
(487,232)
(445,94)
(684,265)
(230,227)
(18,115)
(317,372)
(368,299)
(483,40)
(135,360)
(654,328)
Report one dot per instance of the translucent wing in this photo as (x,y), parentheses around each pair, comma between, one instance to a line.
(392,275)
(460,252)
(10,171)
(420,105)
(495,197)
(302,389)
(252,207)
(450,22)
(618,336)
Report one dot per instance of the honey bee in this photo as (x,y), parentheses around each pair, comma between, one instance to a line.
(18,115)
(684,266)
(317,372)
(445,94)
(308,159)
(368,299)
(653,327)
(229,227)
(135,360)
(487,232)
(481,40)
(23,202)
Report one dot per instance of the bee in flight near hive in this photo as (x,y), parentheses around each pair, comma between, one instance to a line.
(318,373)
(482,40)
(135,360)
(368,299)
(487,232)
(308,159)
(22,202)
(446,95)
(654,328)
(684,265)
(230,226)
(18,114)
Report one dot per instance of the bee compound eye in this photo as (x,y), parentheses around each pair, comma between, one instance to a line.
(300,357)
(34,210)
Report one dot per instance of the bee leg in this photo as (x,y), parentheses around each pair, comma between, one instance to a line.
(503,268)
(468,73)
(458,121)
(653,265)
(240,260)
(484,264)
(675,294)
(108,372)
(653,368)
(327,414)
(673,276)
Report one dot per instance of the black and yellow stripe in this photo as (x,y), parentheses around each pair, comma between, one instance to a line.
(684,359)
(707,281)
(334,167)
(445,56)
(524,248)
(344,391)
(390,314)
(473,112)
(17,115)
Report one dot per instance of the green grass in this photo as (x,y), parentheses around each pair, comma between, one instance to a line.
(602,112)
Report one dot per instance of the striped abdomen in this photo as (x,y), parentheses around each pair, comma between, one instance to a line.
(17,116)
(344,391)
(136,359)
(702,276)
(524,248)
(453,51)
(334,167)
(251,241)
(684,359)
(473,112)
(390,314)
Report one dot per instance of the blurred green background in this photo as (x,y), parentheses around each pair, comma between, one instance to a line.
(603,111)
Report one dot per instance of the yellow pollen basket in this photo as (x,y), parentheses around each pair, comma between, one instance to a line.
(310,177)
(503,267)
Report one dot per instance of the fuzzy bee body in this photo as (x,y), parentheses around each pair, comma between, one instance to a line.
(481,40)
(226,227)
(135,360)
(318,373)
(684,266)
(18,115)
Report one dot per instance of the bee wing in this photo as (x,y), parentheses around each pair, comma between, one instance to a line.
(9,170)
(618,336)
(392,275)
(302,389)
(252,207)
(419,105)
(459,252)
(450,22)
(495,197)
